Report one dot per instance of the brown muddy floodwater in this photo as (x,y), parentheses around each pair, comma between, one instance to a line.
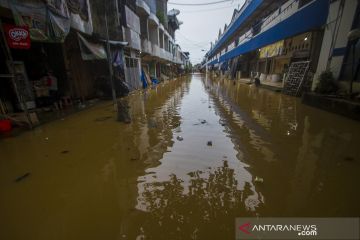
(191,161)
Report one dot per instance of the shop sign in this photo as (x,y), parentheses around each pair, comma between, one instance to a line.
(17,36)
(272,50)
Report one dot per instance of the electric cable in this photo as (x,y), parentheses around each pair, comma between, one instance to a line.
(208,10)
(200,4)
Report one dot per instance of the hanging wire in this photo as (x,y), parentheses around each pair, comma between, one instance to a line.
(192,42)
(200,4)
(208,10)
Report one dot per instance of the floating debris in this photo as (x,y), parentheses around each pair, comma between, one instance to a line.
(22,177)
(101,119)
(349,159)
(65,151)
(179,138)
(203,121)
(209,143)
(320,186)
(258,179)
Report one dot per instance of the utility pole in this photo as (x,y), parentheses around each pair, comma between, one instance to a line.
(110,62)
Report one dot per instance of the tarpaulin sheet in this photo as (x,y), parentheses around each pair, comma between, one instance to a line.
(46,21)
(118,61)
(80,15)
(91,51)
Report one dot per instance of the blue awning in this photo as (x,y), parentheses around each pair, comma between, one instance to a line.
(310,17)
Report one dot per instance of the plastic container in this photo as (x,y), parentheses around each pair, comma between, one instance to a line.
(263,77)
(275,78)
(5,125)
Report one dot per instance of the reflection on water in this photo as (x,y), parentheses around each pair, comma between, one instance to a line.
(204,209)
(91,177)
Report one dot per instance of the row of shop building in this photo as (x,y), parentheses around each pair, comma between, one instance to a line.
(75,50)
(264,39)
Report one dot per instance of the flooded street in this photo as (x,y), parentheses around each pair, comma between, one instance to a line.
(198,153)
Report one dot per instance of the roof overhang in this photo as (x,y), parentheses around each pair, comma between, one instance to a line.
(142,7)
(253,11)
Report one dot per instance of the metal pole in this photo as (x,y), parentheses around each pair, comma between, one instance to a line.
(110,62)
(13,72)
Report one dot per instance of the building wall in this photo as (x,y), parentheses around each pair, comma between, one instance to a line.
(339,24)
(131,28)
(154,34)
(152,5)
(144,28)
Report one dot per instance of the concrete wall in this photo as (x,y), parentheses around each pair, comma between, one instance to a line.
(339,23)
(154,34)
(144,28)
(152,5)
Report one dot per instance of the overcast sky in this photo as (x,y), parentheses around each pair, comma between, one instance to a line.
(201,24)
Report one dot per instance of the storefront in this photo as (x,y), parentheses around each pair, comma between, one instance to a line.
(59,66)
(32,60)
(275,59)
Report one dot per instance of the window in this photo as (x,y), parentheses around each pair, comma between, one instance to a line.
(131,62)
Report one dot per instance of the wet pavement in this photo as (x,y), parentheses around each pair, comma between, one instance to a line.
(197,154)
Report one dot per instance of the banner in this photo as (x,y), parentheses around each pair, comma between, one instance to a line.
(17,37)
(272,50)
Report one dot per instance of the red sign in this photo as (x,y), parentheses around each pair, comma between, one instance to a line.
(17,36)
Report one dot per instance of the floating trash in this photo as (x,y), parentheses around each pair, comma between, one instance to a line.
(258,179)
(209,143)
(101,119)
(349,159)
(22,177)
(179,138)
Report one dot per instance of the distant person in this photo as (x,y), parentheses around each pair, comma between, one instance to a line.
(257,82)
(52,84)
